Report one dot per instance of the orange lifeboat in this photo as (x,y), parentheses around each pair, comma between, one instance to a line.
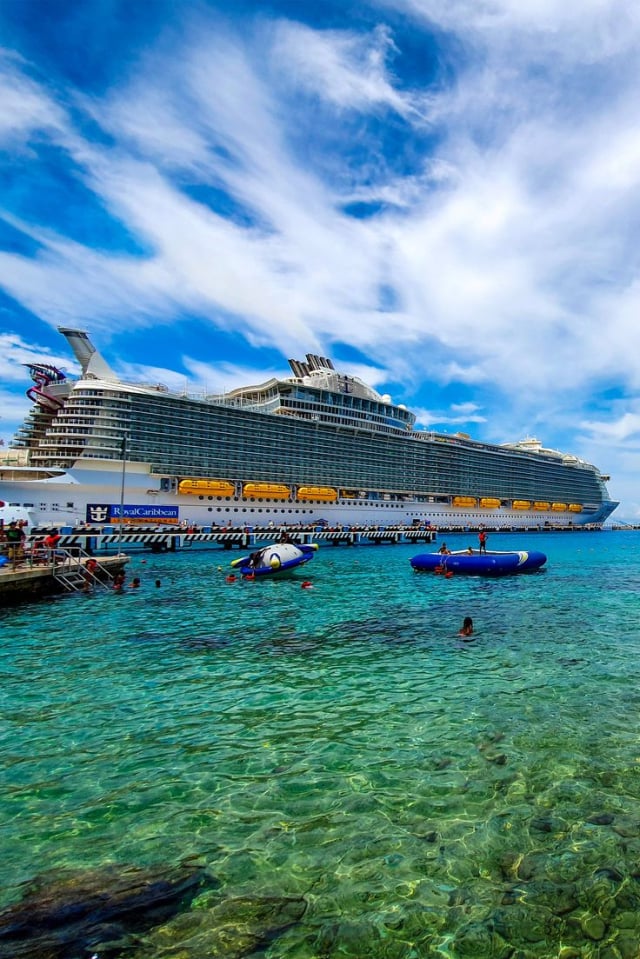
(559,507)
(541,505)
(466,501)
(325,494)
(490,502)
(575,508)
(266,491)
(200,487)
(521,504)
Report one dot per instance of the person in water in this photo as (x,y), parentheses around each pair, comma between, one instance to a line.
(467,627)
(444,549)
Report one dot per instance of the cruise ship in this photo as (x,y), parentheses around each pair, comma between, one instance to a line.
(316,447)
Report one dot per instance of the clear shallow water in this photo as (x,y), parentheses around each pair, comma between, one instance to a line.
(426,795)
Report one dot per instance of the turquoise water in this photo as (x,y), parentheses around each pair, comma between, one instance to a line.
(426,795)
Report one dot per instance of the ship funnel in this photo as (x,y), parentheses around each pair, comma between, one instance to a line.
(92,363)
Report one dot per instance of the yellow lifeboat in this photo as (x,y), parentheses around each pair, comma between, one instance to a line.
(490,502)
(266,491)
(522,504)
(541,505)
(465,501)
(559,507)
(324,493)
(575,508)
(198,487)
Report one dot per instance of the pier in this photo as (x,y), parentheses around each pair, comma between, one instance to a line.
(109,540)
(105,541)
(56,572)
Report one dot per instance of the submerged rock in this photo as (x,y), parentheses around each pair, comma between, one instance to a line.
(231,929)
(65,914)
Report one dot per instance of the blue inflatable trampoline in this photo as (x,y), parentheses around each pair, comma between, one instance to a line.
(491,563)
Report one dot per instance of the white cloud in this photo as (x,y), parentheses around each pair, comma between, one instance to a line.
(622,430)
(16,353)
(347,68)
(585,29)
(24,105)
(509,253)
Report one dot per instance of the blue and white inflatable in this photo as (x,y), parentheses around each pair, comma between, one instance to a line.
(275,560)
(491,563)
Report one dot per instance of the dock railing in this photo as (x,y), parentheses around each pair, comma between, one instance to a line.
(73,567)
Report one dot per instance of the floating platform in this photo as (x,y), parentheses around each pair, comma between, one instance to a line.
(491,563)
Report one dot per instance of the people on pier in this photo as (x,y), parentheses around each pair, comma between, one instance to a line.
(14,536)
(52,539)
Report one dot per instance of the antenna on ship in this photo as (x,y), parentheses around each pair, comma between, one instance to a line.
(91,362)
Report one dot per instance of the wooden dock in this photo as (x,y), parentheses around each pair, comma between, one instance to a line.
(60,572)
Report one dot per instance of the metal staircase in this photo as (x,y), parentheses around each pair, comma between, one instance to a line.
(69,568)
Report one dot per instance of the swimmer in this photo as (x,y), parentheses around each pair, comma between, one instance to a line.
(467,627)
(230,579)
(118,582)
(158,583)
(135,582)
(307,584)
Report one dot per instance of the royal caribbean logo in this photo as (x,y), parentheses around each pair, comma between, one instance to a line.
(106,513)
(97,514)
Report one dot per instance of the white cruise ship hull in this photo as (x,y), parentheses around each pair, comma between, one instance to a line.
(94,494)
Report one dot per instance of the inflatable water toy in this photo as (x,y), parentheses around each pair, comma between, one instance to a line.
(491,563)
(275,560)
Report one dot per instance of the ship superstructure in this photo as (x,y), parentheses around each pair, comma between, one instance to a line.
(318,445)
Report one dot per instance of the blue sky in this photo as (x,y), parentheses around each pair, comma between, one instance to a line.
(442,195)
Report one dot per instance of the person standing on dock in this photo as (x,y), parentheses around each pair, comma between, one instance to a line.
(14,536)
(482,540)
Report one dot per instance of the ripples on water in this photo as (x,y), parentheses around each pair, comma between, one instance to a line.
(428,796)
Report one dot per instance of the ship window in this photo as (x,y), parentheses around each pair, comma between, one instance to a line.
(70,505)
(28,504)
